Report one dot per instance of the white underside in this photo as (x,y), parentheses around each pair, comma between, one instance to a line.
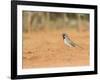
(67,43)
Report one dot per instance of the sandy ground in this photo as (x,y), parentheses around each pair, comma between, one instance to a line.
(46,49)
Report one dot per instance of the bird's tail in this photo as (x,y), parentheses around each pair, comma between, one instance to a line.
(79,46)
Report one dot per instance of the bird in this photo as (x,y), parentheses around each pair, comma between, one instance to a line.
(68,41)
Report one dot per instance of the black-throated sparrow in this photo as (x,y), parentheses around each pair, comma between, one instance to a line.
(68,41)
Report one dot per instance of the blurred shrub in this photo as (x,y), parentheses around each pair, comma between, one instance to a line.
(33,21)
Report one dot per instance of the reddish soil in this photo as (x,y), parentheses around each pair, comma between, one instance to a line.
(45,48)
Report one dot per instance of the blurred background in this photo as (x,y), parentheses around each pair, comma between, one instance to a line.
(43,44)
(33,21)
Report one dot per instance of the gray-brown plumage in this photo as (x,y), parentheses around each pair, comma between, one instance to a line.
(68,41)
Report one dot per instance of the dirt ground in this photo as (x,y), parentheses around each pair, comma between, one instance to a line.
(46,48)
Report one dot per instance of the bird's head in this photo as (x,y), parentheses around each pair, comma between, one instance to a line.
(64,35)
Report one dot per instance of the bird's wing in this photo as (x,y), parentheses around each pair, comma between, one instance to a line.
(71,42)
(74,44)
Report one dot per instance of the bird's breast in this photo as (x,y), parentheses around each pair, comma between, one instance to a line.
(67,43)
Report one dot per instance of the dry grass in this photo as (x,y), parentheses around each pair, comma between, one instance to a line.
(45,48)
